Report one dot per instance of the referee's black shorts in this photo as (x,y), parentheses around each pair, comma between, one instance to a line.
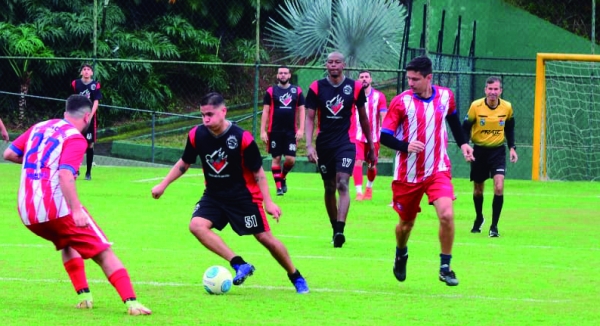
(489,161)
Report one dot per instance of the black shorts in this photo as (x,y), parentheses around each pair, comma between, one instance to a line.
(282,143)
(336,160)
(90,133)
(245,216)
(488,162)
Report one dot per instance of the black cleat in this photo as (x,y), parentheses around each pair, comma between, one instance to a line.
(88,176)
(400,268)
(494,232)
(338,240)
(279,192)
(477,225)
(283,186)
(449,278)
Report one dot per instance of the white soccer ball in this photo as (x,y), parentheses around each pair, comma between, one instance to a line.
(217,280)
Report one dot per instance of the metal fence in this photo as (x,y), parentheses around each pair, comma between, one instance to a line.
(154,71)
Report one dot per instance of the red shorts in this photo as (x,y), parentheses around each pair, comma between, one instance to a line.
(407,196)
(88,241)
(362,151)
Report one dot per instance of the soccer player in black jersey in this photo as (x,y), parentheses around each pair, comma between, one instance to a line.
(282,125)
(89,88)
(236,190)
(489,122)
(334,100)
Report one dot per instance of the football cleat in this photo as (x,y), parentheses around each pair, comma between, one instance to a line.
(400,268)
(283,186)
(494,232)
(279,192)
(477,225)
(449,278)
(242,272)
(338,240)
(368,194)
(300,285)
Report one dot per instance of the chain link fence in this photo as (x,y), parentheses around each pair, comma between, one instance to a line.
(156,59)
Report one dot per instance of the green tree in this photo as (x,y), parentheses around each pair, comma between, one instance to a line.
(369,35)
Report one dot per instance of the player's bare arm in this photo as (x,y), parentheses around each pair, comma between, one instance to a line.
(263,122)
(3,131)
(94,107)
(270,207)
(301,118)
(10,155)
(179,169)
(66,180)
(308,131)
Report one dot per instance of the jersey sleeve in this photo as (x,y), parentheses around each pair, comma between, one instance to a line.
(382,105)
(312,98)
(74,86)
(267,97)
(18,145)
(452,104)
(250,153)
(72,154)
(97,93)
(394,116)
(190,153)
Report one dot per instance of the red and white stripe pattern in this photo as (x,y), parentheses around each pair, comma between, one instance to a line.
(376,105)
(411,118)
(40,198)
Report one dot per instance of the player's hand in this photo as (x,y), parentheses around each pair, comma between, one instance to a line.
(80,218)
(513,156)
(311,154)
(299,134)
(158,191)
(467,152)
(264,137)
(273,209)
(371,158)
(416,146)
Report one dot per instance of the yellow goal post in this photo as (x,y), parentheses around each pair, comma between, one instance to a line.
(540,122)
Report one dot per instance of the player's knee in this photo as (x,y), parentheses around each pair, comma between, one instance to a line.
(446,216)
(198,227)
(407,226)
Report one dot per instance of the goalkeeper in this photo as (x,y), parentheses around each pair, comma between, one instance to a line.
(489,122)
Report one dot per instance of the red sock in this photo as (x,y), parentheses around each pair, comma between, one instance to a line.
(276,175)
(372,173)
(120,280)
(76,270)
(357,175)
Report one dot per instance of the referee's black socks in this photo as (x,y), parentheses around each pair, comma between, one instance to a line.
(497,209)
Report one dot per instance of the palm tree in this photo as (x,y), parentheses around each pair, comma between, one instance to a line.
(368,34)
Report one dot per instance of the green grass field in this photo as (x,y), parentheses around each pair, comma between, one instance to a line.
(542,271)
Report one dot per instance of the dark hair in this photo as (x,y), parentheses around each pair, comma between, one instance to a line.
(364,71)
(212,98)
(77,103)
(86,65)
(284,67)
(493,79)
(421,65)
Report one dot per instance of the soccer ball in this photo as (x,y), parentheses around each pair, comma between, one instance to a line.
(217,280)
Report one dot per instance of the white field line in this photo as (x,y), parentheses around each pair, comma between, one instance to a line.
(312,289)
(160,178)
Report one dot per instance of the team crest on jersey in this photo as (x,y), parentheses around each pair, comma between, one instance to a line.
(323,169)
(335,105)
(482,122)
(347,89)
(286,99)
(232,142)
(217,160)
(501,123)
(441,107)
(293,90)
(93,86)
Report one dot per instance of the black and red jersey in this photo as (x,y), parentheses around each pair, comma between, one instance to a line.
(335,106)
(229,161)
(90,90)
(284,103)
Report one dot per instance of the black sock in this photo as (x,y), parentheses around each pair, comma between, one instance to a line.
(401,252)
(294,276)
(445,262)
(89,156)
(84,290)
(130,299)
(237,260)
(478,201)
(339,227)
(497,209)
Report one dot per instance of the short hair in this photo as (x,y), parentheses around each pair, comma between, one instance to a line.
(364,72)
(284,67)
(86,65)
(77,105)
(339,54)
(493,79)
(212,98)
(420,64)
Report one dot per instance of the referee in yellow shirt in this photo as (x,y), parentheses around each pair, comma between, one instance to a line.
(489,122)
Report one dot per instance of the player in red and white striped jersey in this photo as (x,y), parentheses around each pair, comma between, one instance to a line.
(376,107)
(415,127)
(50,153)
